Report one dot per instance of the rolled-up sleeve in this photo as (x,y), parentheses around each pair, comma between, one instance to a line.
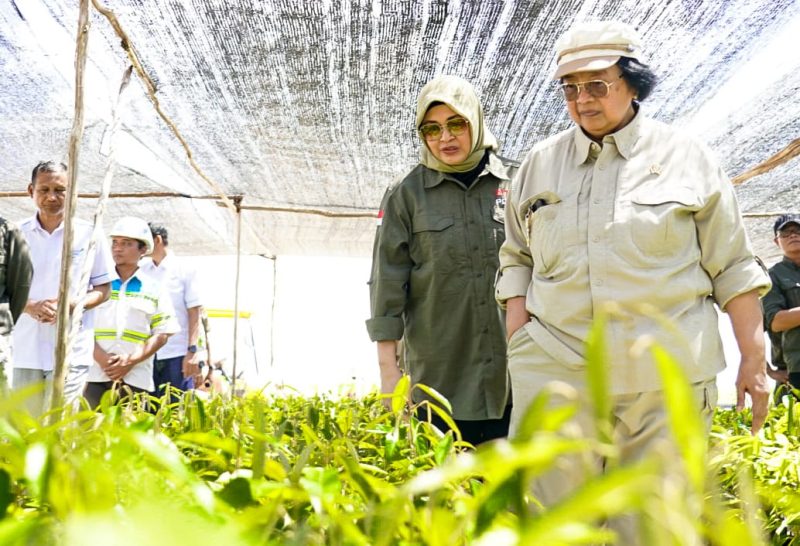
(391,267)
(516,264)
(19,271)
(103,268)
(774,302)
(163,320)
(192,296)
(726,254)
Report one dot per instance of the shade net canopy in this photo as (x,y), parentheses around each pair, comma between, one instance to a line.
(306,109)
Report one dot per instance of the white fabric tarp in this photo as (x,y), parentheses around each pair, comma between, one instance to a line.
(310,105)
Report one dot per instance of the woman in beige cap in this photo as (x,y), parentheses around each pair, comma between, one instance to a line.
(435,260)
(623,211)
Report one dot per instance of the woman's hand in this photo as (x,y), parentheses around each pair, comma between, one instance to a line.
(752,381)
(744,311)
(516,315)
(779,375)
(390,371)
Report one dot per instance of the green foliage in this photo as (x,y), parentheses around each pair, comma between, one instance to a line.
(287,469)
(760,476)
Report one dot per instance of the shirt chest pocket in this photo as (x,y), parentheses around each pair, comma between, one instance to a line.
(551,229)
(792,290)
(77,263)
(142,307)
(436,242)
(661,223)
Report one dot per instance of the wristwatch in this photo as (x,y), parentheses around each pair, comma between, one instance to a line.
(192,348)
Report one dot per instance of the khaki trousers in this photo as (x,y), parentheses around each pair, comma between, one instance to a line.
(38,402)
(5,362)
(639,423)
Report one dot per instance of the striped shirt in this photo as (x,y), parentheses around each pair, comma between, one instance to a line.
(137,309)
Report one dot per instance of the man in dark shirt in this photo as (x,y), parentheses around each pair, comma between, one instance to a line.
(16,271)
(782,303)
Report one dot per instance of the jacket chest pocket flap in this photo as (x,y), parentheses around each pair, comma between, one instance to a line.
(434,240)
(146,306)
(792,290)
(661,222)
(546,228)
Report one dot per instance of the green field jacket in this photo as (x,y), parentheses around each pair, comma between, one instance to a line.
(432,284)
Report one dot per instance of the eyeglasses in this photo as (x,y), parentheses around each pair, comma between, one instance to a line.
(596,88)
(786,233)
(433,131)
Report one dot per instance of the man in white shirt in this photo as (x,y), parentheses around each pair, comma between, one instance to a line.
(177,363)
(134,323)
(34,336)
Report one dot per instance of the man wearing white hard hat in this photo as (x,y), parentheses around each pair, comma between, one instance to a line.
(614,213)
(134,323)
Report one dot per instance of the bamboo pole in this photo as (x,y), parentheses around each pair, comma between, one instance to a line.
(63,316)
(121,195)
(765,214)
(358,213)
(312,211)
(237,201)
(97,229)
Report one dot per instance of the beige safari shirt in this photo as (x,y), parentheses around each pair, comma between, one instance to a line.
(647,219)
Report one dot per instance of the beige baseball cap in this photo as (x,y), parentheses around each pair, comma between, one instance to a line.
(595,45)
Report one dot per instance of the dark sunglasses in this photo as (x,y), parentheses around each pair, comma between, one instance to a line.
(433,131)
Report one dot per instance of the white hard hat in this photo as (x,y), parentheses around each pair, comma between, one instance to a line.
(133,228)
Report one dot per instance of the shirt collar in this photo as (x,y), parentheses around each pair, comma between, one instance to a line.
(148,261)
(790,263)
(625,140)
(494,166)
(38,226)
(117,283)
(166,260)
(583,145)
(432,178)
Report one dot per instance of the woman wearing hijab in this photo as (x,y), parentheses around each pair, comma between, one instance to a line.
(624,213)
(435,261)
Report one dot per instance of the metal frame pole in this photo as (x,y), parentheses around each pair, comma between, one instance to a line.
(237,201)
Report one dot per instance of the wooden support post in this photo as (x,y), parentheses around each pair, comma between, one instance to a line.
(63,318)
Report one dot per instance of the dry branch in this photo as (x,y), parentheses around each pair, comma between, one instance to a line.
(151,94)
(789,152)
